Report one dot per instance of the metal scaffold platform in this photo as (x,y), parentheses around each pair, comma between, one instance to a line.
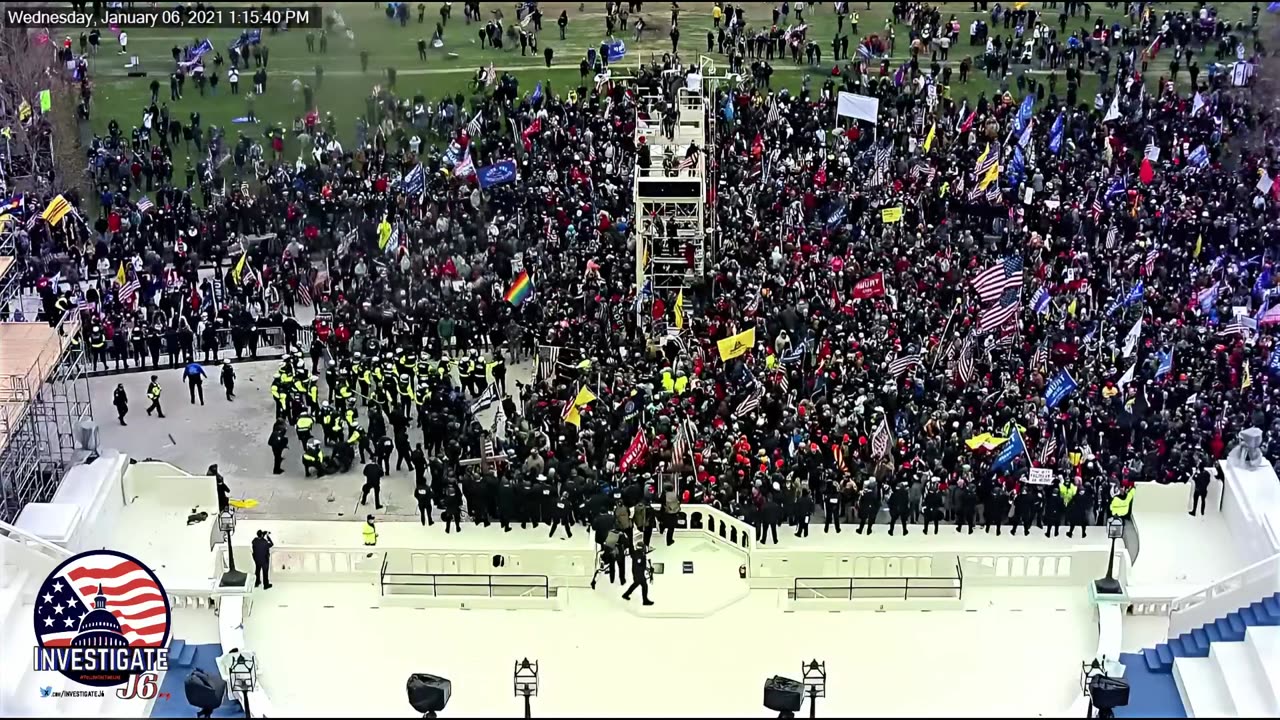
(9,285)
(44,396)
(675,211)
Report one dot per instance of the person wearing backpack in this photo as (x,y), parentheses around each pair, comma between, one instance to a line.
(670,511)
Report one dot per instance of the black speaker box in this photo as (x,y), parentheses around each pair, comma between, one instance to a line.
(1107,692)
(783,694)
(428,693)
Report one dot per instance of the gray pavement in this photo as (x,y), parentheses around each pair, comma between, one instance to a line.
(234,434)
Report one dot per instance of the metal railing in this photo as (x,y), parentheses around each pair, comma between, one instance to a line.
(461,585)
(880,588)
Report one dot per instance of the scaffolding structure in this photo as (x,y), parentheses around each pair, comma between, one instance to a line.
(676,228)
(44,396)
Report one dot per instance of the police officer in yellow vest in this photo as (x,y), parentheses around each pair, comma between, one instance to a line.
(369,532)
(153,392)
(303,426)
(682,382)
(668,382)
(312,457)
(1120,504)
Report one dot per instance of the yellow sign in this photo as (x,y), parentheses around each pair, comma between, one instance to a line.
(733,346)
(891,215)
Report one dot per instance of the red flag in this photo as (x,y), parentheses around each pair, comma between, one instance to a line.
(1145,172)
(635,453)
(820,177)
(757,146)
(869,287)
(968,122)
(659,308)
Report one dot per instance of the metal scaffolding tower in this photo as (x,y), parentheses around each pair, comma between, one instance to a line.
(44,396)
(675,213)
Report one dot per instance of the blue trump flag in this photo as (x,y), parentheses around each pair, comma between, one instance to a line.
(499,173)
(1263,283)
(1273,362)
(1059,388)
(1009,451)
(1166,364)
(537,94)
(1136,294)
(1024,113)
(1017,167)
(415,183)
(615,49)
(1056,133)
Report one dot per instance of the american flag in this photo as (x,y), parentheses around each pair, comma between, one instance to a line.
(1040,358)
(681,445)
(102,581)
(925,170)
(1007,335)
(128,290)
(500,423)
(687,162)
(1096,208)
(783,381)
(1113,235)
(1235,327)
(1048,449)
(304,294)
(753,303)
(488,75)
(751,403)
(775,113)
(486,398)
(903,364)
(965,364)
(1149,263)
(545,364)
(881,438)
(476,126)
(991,284)
(997,315)
(145,204)
(486,448)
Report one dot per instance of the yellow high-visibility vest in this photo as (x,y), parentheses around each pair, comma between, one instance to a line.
(370,534)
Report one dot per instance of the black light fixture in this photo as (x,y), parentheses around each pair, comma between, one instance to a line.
(525,679)
(783,696)
(1109,585)
(244,677)
(227,524)
(814,674)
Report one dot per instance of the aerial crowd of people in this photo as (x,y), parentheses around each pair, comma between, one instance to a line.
(1006,308)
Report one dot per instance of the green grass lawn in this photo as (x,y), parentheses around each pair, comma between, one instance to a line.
(344,87)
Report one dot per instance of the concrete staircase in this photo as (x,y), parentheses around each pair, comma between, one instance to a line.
(1227,668)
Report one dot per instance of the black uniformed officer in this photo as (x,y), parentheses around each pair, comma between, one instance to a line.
(932,504)
(121,400)
(278,441)
(506,502)
(803,510)
(422,493)
(452,508)
(899,507)
(996,508)
(868,507)
(262,545)
(639,574)
(561,514)
(372,482)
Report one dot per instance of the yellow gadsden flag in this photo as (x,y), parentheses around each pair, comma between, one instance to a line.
(120,276)
(680,311)
(928,141)
(238,270)
(733,346)
(585,397)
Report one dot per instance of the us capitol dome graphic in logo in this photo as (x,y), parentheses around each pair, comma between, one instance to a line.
(102,617)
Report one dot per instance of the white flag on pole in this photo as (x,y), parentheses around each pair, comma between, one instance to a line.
(1131,340)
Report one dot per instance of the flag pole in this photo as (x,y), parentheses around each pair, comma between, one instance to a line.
(934,363)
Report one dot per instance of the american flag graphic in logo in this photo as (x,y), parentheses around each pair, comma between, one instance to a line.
(96,601)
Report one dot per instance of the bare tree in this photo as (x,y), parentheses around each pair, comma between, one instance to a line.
(41,149)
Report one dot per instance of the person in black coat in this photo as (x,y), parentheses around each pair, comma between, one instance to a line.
(262,545)
(561,514)
(996,509)
(803,511)
(640,574)
(899,507)
(278,441)
(1052,511)
(833,508)
(1026,508)
(1201,478)
(967,510)
(224,490)
(932,507)
(372,482)
(868,507)
(506,505)
(121,400)
(770,516)
(452,508)
(422,493)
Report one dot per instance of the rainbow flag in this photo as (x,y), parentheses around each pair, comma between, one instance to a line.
(520,289)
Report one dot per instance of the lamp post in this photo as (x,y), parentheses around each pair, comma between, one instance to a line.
(244,677)
(227,524)
(1108,584)
(526,682)
(814,675)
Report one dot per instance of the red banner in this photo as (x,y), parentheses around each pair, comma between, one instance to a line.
(869,287)
(634,454)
